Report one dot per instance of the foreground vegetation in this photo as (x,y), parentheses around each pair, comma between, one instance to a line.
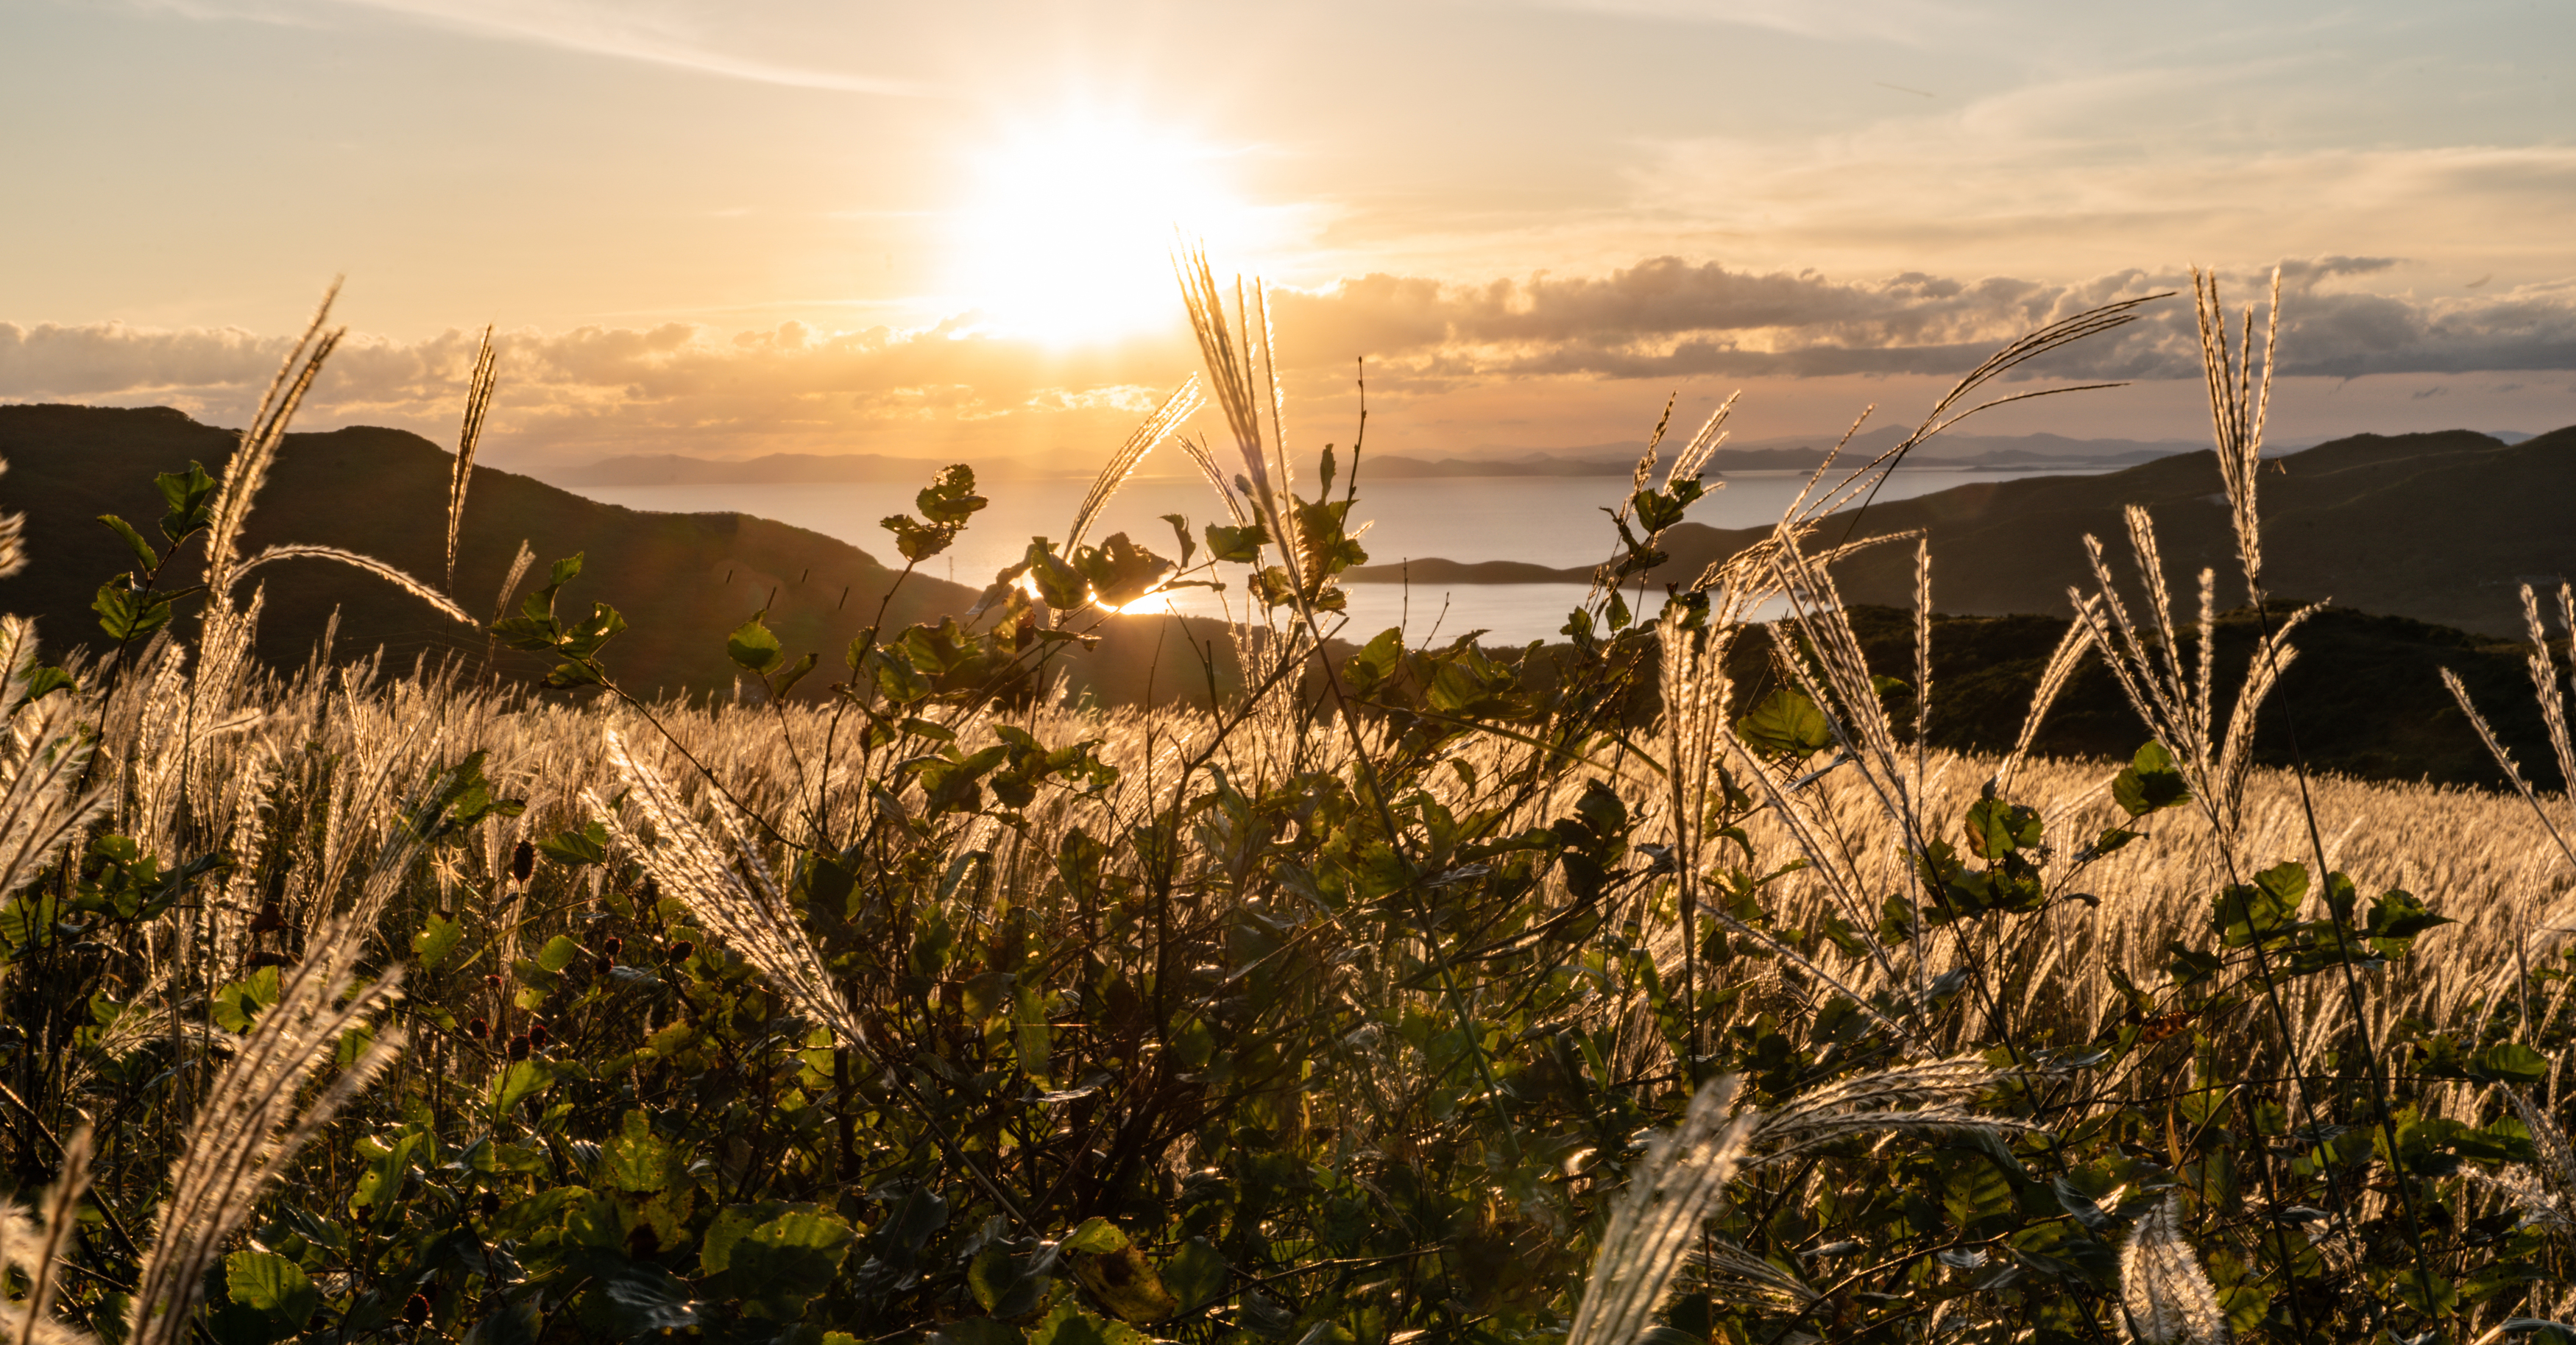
(1401,996)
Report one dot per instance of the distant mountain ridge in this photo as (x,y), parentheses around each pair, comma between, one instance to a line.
(2440,527)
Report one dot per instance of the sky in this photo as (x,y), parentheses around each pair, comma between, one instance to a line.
(945,230)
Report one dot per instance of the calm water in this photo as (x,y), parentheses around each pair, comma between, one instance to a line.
(1552,521)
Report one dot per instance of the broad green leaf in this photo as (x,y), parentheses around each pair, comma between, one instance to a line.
(128,613)
(2150,783)
(272,1284)
(586,845)
(1096,1235)
(1195,1275)
(753,647)
(1070,1325)
(1786,723)
(437,938)
(144,555)
(523,1080)
(190,496)
(2513,1062)
(638,1159)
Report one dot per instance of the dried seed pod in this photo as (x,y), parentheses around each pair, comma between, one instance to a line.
(519,1047)
(491,1204)
(416,1310)
(479,1028)
(523,861)
(680,951)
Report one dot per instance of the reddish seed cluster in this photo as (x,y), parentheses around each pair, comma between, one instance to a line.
(537,1036)
(519,1047)
(479,1029)
(416,1309)
(680,951)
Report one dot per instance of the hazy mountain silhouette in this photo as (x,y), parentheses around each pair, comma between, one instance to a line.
(2439,527)
(682,580)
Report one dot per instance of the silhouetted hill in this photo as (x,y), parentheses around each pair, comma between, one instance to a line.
(2439,527)
(682,580)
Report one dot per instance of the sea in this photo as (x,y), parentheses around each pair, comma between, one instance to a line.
(1558,522)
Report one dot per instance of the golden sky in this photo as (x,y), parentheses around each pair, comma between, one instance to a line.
(730,229)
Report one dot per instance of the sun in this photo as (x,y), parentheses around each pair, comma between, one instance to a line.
(1069,237)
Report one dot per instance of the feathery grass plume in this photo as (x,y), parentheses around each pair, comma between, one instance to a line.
(248,1128)
(743,906)
(2504,758)
(2544,679)
(2060,669)
(13,543)
(1206,463)
(1927,1098)
(2239,400)
(248,469)
(1130,455)
(510,581)
(47,751)
(1243,379)
(1811,504)
(2545,1190)
(2165,1297)
(2175,702)
(1728,1267)
(395,577)
(36,1247)
(469,436)
(1652,1233)
(1695,454)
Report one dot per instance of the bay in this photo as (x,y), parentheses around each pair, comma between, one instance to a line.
(1553,521)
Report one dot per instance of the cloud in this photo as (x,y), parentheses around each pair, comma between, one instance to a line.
(1669,318)
(652,34)
(686,387)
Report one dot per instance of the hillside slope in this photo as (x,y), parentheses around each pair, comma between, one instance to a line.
(2437,527)
(683,580)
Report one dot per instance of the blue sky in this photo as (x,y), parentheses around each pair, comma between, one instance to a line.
(924,229)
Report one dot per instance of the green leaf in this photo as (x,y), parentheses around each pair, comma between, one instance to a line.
(144,555)
(271,1284)
(587,845)
(190,496)
(1125,1283)
(1069,1325)
(777,1267)
(949,501)
(1195,1274)
(236,1006)
(638,1160)
(435,941)
(1181,534)
(523,1080)
(1239,545)
(1786,723)
(560,952)
(2150,783)
(2513,1062)
(752,647)
(1095,1235)
(129,613)
(1997,828)
(44,680)
(1377,662)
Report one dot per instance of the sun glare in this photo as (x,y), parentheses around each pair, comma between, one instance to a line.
(1070,236)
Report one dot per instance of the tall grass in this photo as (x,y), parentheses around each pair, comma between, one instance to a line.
(1370,993)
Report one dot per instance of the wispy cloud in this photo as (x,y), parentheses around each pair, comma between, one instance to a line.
(674,37)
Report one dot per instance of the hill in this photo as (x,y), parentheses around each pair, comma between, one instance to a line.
(2440,527)
(683,580)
